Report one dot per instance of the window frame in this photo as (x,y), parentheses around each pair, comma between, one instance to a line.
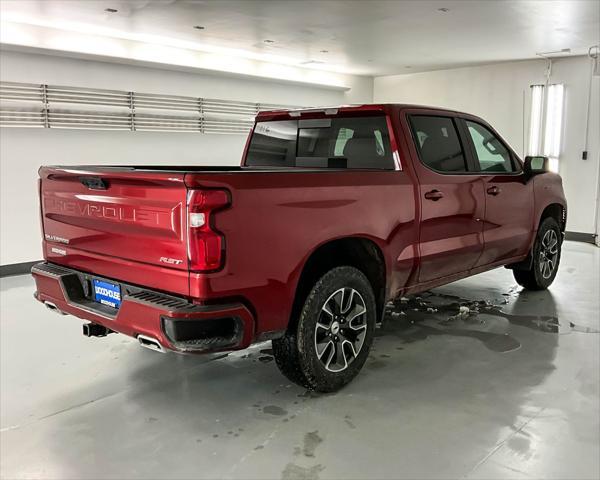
(321,122)
(471,167)
(516,164)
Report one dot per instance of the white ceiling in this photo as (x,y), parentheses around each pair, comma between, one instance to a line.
(358,37)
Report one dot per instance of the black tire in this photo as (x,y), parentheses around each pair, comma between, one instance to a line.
(297,353)
(540,276)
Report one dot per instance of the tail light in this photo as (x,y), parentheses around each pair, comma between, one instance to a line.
(205,244)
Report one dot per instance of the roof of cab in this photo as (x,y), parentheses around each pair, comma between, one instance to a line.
(334,110)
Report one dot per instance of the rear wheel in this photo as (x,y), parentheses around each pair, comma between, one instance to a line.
(330,341)
(545,257)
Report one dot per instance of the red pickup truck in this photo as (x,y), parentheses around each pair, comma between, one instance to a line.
(332,213)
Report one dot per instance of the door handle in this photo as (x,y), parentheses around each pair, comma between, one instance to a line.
(494,190)
(434,195)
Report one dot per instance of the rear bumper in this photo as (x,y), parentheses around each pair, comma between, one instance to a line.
(174,322)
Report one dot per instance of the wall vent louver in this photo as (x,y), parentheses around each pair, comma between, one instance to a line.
(51,106)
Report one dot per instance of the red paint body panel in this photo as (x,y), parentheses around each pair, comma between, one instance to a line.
(120,232)
(138,318)
(135,230)
(277,220)
(509,215)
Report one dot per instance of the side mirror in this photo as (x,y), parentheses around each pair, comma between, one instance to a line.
(536,165)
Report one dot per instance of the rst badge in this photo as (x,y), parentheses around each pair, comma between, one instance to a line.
(170,261)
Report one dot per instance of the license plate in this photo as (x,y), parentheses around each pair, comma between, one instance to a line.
(107,293)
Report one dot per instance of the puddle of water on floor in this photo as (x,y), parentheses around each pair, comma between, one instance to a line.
(431,313)
(274,410)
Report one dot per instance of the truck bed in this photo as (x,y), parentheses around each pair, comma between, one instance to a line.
(265,211)
(195,169)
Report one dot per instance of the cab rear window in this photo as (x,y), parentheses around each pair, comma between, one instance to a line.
(352,142)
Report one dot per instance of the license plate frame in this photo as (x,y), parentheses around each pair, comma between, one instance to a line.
(106,293)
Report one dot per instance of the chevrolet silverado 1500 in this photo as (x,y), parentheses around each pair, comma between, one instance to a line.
(332,213)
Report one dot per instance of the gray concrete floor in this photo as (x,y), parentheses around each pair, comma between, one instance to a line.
(512,392)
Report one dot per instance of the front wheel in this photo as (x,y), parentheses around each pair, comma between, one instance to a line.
(327,345)
(545,257)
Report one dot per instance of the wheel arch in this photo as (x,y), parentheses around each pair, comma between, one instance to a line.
(355,251)
(554,210)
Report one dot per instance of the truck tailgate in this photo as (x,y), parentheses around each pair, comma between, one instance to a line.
(124,224)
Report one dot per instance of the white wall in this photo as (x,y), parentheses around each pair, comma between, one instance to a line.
(23,150)
(495,92)
(500,94)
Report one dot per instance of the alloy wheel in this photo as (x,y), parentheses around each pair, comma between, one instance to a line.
(548,254)
(341,329)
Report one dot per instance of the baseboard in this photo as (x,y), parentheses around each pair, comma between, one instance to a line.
(16,268)
(581,237)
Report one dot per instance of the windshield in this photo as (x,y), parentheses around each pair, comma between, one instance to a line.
(352,142)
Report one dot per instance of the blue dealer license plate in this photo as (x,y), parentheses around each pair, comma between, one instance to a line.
(107,293)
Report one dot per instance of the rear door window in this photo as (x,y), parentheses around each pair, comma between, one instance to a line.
(343,142)
(438,143)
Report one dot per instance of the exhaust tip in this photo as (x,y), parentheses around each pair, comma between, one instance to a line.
(150,343)
(53,307)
